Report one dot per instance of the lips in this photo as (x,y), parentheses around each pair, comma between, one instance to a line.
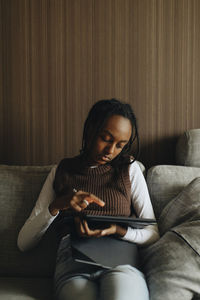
(102,159)
(105,158)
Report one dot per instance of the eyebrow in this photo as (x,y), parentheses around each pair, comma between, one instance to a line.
(108,132)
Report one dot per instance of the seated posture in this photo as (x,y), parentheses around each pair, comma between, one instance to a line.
(104,179)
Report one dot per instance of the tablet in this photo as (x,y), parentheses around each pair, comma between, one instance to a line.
(100,222)
(124,221)
(107,252)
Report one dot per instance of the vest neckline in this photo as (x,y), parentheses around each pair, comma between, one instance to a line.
(86,168)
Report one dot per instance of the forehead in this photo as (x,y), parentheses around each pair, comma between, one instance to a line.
(119,127)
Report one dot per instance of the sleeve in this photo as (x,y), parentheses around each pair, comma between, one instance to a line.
(143,208)
(40,217)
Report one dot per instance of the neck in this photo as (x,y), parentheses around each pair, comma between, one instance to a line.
(85,159)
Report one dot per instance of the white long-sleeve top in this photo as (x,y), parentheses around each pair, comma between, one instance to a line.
(40,217)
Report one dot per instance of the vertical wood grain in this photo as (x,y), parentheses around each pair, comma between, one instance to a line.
(57,57)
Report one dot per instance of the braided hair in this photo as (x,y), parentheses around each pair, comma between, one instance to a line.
(100,112)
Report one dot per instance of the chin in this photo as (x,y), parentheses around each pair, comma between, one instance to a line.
(100,162)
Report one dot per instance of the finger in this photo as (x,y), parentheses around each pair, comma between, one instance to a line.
(79,226)
(105,232)
(90,232)
(78,205)
(82,193)
(74,205)
(85,202)
(82,229)
(93,199)
(86,227)
(79,198)
(110,230)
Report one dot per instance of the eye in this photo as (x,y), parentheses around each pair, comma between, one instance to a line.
(119,146)
(106,138)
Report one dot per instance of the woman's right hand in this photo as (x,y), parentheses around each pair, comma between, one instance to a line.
(76,202)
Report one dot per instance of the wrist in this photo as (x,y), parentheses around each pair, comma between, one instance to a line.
(121,231)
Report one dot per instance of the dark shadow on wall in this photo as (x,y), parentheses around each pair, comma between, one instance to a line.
(162,151)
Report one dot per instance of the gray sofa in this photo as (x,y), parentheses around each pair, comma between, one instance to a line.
(29,275)
(173,263)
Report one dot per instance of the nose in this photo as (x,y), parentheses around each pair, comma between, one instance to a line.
(110,149)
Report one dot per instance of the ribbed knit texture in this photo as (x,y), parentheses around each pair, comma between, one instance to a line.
(101,181)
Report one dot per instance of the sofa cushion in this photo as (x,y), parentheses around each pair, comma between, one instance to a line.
(172,263)
(165,182)
(171,268)
(26,288)
(184,208)
(188,148)
(19,189)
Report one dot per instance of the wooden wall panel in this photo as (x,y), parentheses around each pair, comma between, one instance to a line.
(59,56)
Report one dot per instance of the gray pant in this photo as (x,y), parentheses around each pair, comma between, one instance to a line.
(83,282)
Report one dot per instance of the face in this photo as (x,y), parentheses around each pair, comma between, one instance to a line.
(111,140)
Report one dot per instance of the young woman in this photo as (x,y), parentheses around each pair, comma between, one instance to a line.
(103,180)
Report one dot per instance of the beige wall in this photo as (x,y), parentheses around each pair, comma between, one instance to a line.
(57,57)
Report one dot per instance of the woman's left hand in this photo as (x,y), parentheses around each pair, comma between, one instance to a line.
(84,230)
(114,229)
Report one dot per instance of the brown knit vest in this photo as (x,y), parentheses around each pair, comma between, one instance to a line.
(102,181)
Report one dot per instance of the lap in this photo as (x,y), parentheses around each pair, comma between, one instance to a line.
(76,280)
(120,283)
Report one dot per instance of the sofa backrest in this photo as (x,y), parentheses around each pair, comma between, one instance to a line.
(166,181)
(19,189)
(188,148)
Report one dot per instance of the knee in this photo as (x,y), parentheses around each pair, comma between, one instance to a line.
(122,283)
(128,270)
(77,288)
